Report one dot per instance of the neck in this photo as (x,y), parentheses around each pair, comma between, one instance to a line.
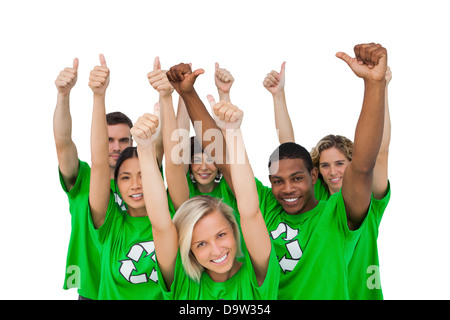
(137,212)
(222,277)
(206,188)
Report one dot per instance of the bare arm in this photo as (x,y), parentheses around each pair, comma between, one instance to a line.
(184,129)
(380,173)
(370,64)
(62,126)
(175,174)
(254,230)
(274,83)
(165,234)
(99,189)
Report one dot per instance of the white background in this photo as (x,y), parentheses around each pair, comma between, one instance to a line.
(249,38)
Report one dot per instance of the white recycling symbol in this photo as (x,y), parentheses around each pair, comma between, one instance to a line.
(293,247)
(127,266)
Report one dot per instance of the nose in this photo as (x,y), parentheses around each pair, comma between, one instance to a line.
(136,184)
(216,249)
(115,145)
(333,170)
(288,187)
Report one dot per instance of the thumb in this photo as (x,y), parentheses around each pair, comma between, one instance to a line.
(102,60)
(156,64)
(345,57)
(212,102)
(198,72)
(283,66)
(75,63)
(217,66)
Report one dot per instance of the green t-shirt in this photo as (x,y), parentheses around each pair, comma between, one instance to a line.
(363,269)
(313,248)
(241,286)
(128,267)
(83,258)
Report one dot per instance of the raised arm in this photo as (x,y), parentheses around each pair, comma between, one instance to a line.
(229,118)
(145,132)
(380,173)
(370,63)
(274,83)
(62,126)
(182,79)
(99,189)
(175,174)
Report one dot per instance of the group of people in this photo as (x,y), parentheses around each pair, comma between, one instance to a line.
(217,232)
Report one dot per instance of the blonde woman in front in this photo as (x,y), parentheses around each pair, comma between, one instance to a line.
(197,251)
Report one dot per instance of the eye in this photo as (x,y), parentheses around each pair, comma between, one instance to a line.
(324,165)
(111,140)
(201,244)
(125,140)
(298,178)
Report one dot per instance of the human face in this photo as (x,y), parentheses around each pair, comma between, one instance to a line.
(204,171)
(119,139)
(214,246)
(332,165)
(293,186)
(130,186)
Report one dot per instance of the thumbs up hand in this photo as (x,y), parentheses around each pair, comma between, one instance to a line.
(67,78)
(274,81)
(158,79)
(369,63)
(146,129)
(226,115)
(99,77)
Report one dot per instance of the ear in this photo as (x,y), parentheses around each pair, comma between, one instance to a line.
(314,175)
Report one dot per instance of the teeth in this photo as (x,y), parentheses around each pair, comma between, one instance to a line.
(221,259)
(136,195)
(290,200)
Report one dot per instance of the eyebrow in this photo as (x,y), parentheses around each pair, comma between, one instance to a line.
(291,175)
(221,231)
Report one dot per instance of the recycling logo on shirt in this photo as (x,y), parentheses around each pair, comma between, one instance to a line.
(292,246)
(135,254)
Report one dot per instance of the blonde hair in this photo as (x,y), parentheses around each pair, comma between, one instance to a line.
(189,213)
(341,143)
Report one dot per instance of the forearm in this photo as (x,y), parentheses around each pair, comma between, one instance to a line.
(175,175)
(224,96)
(155,196)
(241,174)
(369,130)
(283,122)
(65,147)
(99,189)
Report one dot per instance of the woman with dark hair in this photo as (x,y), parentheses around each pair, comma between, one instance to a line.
(124,238)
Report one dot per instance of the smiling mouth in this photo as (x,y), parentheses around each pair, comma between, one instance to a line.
(290,201)
(137,196)
(221,259)
(335,180)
